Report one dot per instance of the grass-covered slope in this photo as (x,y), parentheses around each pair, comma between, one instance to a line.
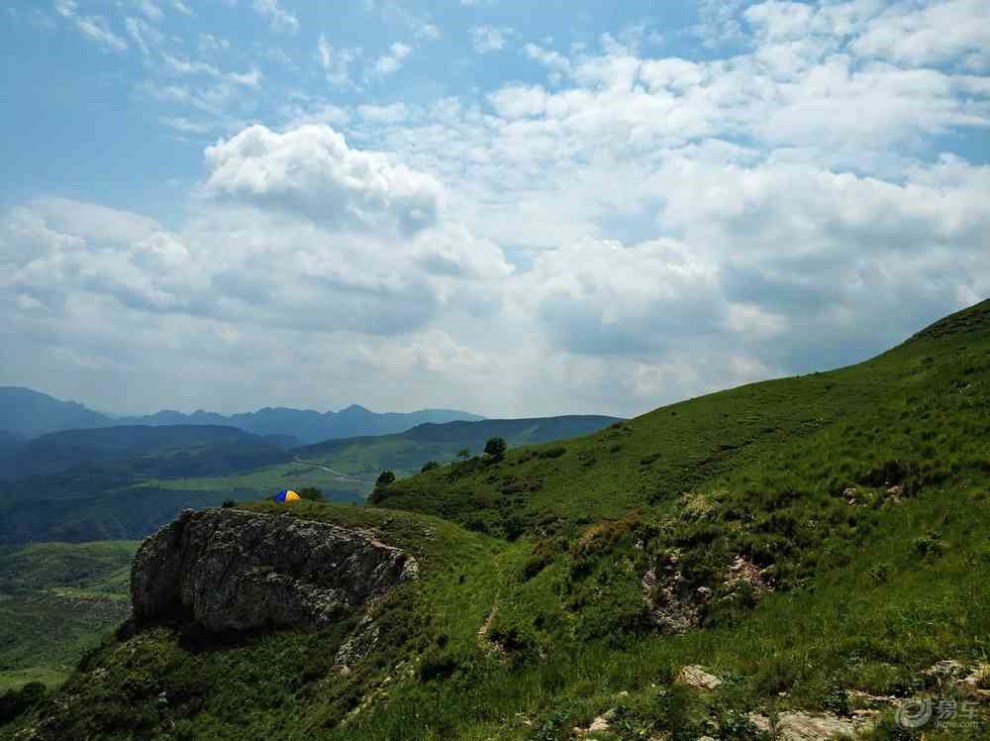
(816,542)
(56,601)
(919,407)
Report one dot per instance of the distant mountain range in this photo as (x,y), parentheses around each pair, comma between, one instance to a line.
(25,414)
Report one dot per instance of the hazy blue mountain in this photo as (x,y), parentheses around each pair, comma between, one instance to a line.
(309,426)
(27,413)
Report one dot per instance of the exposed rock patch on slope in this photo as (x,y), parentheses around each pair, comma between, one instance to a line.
(231,570)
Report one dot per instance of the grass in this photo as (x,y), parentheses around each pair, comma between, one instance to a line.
(58,601)
(860,496)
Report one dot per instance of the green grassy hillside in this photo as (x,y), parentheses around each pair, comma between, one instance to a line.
(817,543)
(56,601)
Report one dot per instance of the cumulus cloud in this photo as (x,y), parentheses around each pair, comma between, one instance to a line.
(953,30)
(312,171)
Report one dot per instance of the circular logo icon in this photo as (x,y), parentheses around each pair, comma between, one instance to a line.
(914,713)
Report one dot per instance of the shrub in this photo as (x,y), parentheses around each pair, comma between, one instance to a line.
(929,545)
(15,702)
(429,466)
(311,494)
(495,448)
(385,479)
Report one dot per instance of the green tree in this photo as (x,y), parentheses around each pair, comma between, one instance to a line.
(385,479)
(496,447)
(429,466)
(312,494)
(464,454)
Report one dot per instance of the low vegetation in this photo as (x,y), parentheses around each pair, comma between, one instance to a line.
(57,600)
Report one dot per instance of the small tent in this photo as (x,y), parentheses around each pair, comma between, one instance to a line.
(287,495)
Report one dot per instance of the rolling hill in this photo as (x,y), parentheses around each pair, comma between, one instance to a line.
(796,556)
(125,481)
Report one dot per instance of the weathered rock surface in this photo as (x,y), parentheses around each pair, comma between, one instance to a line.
(800,726)
(696,676)
(225,570)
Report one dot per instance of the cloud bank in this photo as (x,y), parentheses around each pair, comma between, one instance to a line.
(634,229)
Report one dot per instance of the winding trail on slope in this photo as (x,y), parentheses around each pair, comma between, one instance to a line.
(338,474)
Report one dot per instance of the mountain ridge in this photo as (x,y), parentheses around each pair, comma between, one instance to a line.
(26,413)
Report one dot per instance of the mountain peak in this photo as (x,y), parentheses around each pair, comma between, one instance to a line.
(355,409)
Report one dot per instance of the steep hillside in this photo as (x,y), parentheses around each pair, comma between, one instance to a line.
(818,433)
(787,556)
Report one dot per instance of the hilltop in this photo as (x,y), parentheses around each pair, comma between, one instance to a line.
(812,547)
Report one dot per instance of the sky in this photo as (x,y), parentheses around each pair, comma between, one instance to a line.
(507,207)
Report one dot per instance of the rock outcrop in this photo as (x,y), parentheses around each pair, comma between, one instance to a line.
(228,570)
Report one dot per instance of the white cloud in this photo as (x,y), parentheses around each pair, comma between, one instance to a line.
(392,113)
(186,67)
(558,65)
(392,61)
(485,39)
(210,44)
(336,63)
(930,34)
(143,34)
(97,29)
(150,10)
(718,21)
(396,12)
(279,19)
(312,171)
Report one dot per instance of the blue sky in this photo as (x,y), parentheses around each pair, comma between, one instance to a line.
(510,207)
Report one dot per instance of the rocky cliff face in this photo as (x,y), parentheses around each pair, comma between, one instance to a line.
(227,570)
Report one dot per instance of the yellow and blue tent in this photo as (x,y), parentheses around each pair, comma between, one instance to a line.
(287,495)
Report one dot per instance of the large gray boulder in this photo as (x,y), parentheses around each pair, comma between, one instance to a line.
(225,570)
